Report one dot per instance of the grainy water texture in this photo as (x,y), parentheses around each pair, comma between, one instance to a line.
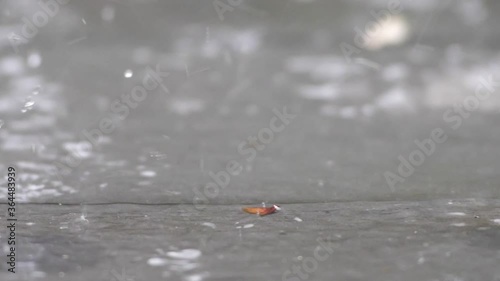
(139,128)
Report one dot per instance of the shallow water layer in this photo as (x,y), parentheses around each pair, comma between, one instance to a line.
(414,240)
(207,91)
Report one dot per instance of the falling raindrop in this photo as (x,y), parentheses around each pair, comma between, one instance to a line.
(1,123)
(128,73)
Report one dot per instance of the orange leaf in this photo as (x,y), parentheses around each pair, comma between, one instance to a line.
(261,211)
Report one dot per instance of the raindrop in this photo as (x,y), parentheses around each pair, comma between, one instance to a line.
(28,104)
(128,73)
(1,123)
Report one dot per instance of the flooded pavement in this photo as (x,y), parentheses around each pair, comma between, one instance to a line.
(138,130)
(415,240)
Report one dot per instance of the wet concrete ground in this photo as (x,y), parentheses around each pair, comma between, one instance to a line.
(419,240)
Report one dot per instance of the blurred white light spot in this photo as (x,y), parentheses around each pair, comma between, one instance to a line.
(128,73)
(194,277)
(392,31)
(395,99)
(395,72)
(421,260)
(319,92)
(188,254)
(246,42)
(108,13)
(34,59)
(148,174)
(38,274)
(11,66)
(81,150)
(348,112)
(459,214)
(186,106)
(157,261)
(209,224)
(158,155)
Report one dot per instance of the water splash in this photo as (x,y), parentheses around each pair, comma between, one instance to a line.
(28,104)
(157,155)
(188,254)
